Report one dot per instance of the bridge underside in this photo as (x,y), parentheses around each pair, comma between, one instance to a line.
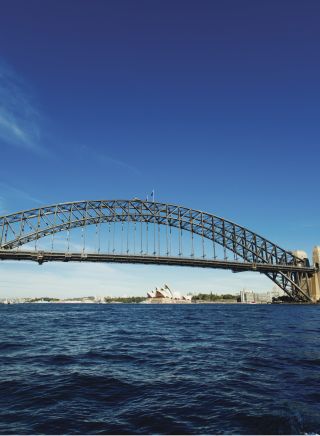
(286,276)
(236,266)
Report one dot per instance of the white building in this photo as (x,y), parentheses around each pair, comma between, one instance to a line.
(247,296)
(166,293)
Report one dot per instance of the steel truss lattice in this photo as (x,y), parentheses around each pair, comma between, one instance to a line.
(23,227)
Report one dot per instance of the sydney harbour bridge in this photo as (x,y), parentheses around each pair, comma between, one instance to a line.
(149,232)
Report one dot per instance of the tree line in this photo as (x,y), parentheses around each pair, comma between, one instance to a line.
(214,297)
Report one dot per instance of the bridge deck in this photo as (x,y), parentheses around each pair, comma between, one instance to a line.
(41,257)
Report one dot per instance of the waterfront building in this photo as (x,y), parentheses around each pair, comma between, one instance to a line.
(247,296)
(165,294)
(263,297)
(160,293)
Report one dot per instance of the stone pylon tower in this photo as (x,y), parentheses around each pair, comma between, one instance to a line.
(315,280)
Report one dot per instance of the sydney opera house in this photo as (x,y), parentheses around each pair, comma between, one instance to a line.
(165,295)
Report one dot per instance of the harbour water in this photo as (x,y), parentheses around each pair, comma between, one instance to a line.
(178,369)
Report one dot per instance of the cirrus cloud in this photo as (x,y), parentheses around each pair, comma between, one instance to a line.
(20,119)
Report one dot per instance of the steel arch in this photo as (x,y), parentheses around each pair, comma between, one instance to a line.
(19,228)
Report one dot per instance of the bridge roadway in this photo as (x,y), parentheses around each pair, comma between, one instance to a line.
(235,266)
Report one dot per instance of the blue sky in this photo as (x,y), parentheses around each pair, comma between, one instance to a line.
(214,104)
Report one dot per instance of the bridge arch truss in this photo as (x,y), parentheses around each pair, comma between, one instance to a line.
(286,270)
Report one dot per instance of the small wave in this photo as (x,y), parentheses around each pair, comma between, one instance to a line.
(135,369)
(4,346)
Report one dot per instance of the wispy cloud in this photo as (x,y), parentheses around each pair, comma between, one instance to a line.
(3,210)
(20,120)
(104,159)
(18,193)
(119,163)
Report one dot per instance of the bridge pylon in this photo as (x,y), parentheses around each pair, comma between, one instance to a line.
(315,279)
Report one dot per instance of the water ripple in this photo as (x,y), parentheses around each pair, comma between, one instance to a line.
(141,369)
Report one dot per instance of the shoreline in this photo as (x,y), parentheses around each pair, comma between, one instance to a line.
(120,302)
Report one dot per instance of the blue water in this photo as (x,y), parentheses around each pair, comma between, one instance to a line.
(90,369)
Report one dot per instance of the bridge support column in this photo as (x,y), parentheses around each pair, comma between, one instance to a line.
(315,280)
(302,279)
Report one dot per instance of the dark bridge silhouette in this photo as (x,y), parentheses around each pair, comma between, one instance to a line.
(136,231)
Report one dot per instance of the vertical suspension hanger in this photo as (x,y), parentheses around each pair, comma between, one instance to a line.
(97,239)
(37,232)
(147,236)
(140,219)
(235,244)
(99,236)
(155,221)
(99,230)
(128,233)
(69,226)
(121,236)
(68,240)
(154,230)
(134,236)
(192,240)
(22,223)
(179,232)
(54,225)
(82,239)
(213,240)
(167,247)
(108,236)
(224,240)
(141,239)
(113,237)
(85,228)
(52,240)
(21,227)
(85,234)
(202,238)
(6,233)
